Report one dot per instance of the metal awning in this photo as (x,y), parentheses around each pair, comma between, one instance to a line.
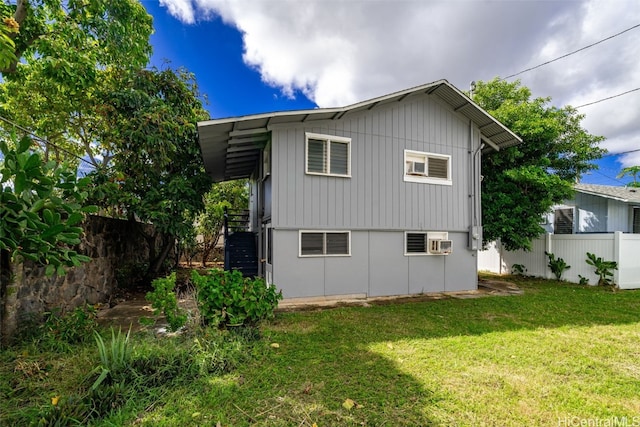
(231,146)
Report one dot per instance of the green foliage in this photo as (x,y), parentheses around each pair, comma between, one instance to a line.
(157,174)
(226,298)
(41,207)
(603,269)
(518,269)
(60,331)
(557,265)
(631,171)
(131,274)
(115,358)
(66,51)
(583,280)
(524,181)
(232,195)
(164,299)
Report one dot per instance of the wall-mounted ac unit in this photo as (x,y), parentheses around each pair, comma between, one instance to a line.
(417,168)
(440,246)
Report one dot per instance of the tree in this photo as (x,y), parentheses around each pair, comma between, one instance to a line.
(41,205)
(523,182)
(53,58)
(157,175)
(631,171)
(231,195)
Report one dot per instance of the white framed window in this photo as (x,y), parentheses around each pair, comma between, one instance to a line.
(327,155)
(324,243)
(427,243)
(429,168)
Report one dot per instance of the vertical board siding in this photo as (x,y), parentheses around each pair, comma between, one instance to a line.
(376,196)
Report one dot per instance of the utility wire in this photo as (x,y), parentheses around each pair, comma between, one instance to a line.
(571,53)
(46,142)
(609,97)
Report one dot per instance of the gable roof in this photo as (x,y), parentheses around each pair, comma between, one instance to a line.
(231,147)
(623,194)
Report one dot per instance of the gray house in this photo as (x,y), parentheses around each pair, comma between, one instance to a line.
(376,198)
(597,209)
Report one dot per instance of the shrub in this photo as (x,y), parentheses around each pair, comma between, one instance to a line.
(604,269)
(60,331)
(518,269)
(163,298)
(225,298)
(557,265)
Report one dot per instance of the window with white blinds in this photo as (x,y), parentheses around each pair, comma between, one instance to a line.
(429,168)
(328,155)
(325,243)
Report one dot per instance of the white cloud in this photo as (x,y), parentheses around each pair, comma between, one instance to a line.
(341,52)
(181,9)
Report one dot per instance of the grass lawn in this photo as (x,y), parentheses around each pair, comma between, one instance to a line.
(559,354)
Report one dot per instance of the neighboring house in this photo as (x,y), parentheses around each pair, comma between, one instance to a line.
(377,198)
(597,209)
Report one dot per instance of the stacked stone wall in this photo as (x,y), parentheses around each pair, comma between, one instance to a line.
(113,245)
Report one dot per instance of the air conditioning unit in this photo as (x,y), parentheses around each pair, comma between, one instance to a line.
(417,168)
(440,246)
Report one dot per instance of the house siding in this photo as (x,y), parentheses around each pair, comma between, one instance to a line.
(376,196)
(377,267)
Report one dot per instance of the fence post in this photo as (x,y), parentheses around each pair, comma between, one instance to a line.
(548,244)
(617,241)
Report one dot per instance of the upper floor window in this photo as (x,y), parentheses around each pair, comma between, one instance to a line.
(328,155)
(429,168)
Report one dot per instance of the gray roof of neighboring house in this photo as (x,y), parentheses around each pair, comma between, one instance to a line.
(623,194)
(231,147)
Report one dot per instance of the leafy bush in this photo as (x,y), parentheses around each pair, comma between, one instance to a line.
(518,269)
(557,265)
(225,298)
(604,269)
(60,331)
(164,298)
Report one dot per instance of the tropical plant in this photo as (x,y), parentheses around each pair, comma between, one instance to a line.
(115,358)
(603,269)
(631,171)
(557,265)
(225,298)
(41,207)
(164,299)
(528,179)
(518,269)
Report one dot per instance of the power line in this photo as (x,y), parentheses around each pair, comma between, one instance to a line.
(572,53)
(40,139)
(609,97)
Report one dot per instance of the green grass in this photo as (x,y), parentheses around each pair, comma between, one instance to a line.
(557,352)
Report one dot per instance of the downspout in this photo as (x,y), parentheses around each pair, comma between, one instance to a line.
(475,235)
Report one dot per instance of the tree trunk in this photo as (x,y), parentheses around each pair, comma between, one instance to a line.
(10,279)
(155,265)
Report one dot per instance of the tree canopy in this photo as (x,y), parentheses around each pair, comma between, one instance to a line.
(54,55)
(156,175)
(522,183)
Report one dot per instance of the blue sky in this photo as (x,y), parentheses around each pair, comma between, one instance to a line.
(258,56)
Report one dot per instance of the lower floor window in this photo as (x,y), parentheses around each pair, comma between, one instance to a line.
(325,243)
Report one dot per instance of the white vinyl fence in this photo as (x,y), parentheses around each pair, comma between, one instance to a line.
(624,248)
